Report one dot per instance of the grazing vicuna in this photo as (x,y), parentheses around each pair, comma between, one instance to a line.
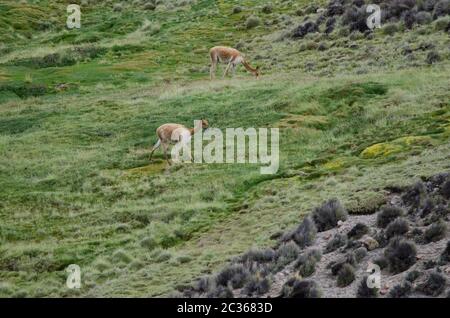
(231,57)
(173,134)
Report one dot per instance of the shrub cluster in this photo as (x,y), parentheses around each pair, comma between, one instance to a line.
(401,291)
(328,214)
(346,275)
(435,232)
(445,256)
(336,266)
(397,227)
(306,262)
(400,254)
(358,231)
(296,288)
(364,291)
(257,285)
(387,215)
(434,285)
(236,275)
(336,242)
(303,29)
(304,235)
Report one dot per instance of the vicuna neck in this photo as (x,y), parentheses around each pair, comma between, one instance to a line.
(248,67)
(194,130)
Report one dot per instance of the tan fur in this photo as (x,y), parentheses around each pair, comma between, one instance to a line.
(173,133)
(231,57)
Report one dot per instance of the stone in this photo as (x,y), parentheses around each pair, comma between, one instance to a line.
(370,243)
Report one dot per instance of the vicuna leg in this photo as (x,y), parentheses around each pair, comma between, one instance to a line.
(165,146)
(226,70)
(156,146)
(233,70)
(212,69)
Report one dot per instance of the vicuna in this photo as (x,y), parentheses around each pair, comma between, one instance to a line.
(231,57)
(173,134)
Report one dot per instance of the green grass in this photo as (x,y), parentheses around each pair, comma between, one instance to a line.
(77,186)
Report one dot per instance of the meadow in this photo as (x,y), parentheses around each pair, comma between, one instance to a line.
(79,109)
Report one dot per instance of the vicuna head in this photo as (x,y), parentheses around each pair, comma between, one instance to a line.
(205,124)
(257,72)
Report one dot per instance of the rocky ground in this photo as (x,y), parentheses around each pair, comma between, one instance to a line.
(330,253)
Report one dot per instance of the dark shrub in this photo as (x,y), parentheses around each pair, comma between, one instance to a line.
(353,244)
(441,8)
(305,289)
(429,264)
(401,255)
(304,235)
(328,214)
(252,22)
(320,20)
(358,231)
(397,7)
(322,46)
(433,57)
(356,19)
(204,284)
(434,285)
(335,7)
(427,5)
(287,287)
(360,253)
(387,215)
(358,3)
(427,207)
(440,178)
(346,275)
(364,291)
(381,238)
(288,250)
(267,8)
(257,286)
(311,9)
(423,17)
(382,262)
(349,258)
(149,6)
(329,25)
(415,194)
(220,292)
(412,276)
(445,190)
(236,275)
(401,291)
(336,242)
(445,256)
(258,256)
(236,9)
(435,232)
(397,227)
(304,29)
(410,18)
(306,262)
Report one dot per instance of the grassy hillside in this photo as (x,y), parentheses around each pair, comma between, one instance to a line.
(79,108)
